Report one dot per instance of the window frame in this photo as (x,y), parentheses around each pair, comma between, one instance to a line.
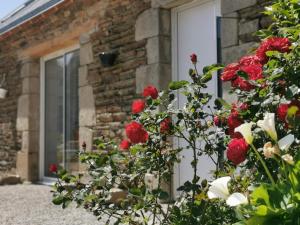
(43,60)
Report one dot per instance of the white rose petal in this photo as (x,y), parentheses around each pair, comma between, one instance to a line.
(219,188)
(269,150)
(268,125)
(245,130)
(285,143)
(151,181)
(236,199)
(288,158)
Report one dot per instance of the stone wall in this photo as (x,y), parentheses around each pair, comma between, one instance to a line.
(105,94)
(241,19)
(10,139)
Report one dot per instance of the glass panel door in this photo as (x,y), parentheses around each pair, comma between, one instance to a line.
(71,112)
(61,112)
(54,71)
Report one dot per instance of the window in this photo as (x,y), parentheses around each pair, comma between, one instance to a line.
(60,112)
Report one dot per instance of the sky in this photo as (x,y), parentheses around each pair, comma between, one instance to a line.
(7,6)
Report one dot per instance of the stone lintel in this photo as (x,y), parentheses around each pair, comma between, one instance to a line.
(168,3)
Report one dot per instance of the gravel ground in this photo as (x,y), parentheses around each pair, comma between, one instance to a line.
(31,205)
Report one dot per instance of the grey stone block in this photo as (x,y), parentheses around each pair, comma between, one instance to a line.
(228,6)
(30,68)
(31,85)
(30,141)
(234,53)
(86,135)
(229,30)
(84,39)
(83,74)
(28,113)
(165,22)
(158,75)
(147,24)
(151,23)
(159,50)
(87,112)
(86,54)
(248,27)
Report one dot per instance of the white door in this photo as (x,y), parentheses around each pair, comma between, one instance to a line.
(194,31)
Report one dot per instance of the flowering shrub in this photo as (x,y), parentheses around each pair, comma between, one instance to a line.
(259,180)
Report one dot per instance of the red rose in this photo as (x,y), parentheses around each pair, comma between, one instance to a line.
(233,122)
(242,84)
(136,133)
(125,145)
(282,111)
(249,60)
(281,44)
(150,91)
(83,145)
(244,106)
(165,125)
(138,106)
(272,44)
(216,121)
(230,71)
(53,168)
(193,58)
(254,71)
(237,150)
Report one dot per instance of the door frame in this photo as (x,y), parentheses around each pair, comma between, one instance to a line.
(42,178)
(175,74)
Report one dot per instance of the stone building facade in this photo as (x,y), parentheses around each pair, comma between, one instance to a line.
(141,32)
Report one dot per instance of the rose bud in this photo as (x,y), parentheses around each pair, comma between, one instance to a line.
(53,168)
(150,91)
(125,145)
(237,150)
(138,106)
(193,58)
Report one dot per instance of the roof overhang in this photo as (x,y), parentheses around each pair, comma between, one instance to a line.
(25,16)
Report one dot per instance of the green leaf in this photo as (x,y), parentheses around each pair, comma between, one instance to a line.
(243,75)
(58,200)
(273,54)
(163,195)
(261,196)
(223,103)
(212,68)
(262,210)
(135,149)
(207,77)
(175,85)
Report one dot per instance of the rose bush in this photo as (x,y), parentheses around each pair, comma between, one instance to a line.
(259,180)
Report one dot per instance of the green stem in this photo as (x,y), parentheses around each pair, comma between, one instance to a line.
(263,163)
